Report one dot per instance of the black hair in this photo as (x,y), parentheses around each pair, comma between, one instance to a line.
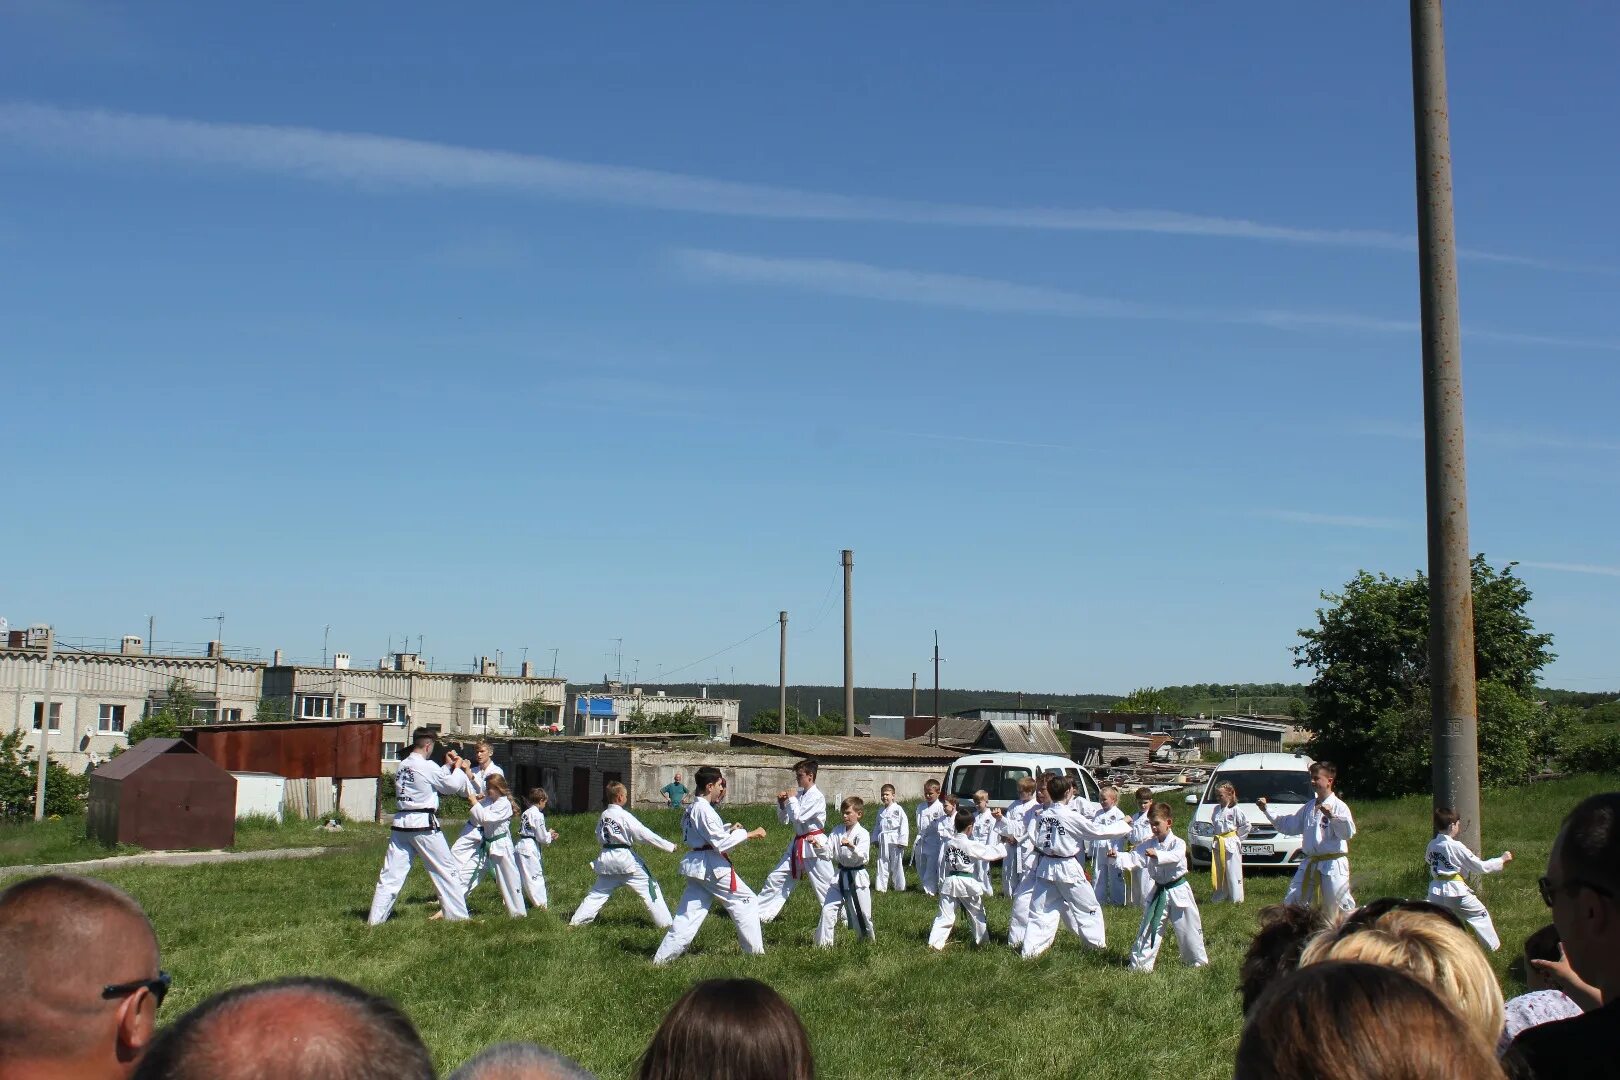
(705,776)
(808,765)
(1058,785)
(963,820)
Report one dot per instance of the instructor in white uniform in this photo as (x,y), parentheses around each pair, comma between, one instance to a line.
(420,782)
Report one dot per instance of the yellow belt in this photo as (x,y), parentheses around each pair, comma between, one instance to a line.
(1313,882)
(1448,877)
(1217,861)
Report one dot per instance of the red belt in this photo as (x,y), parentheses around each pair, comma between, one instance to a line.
(796,859)
(723,855)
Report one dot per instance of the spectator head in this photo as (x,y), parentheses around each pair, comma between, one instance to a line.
(319,1029)
(1350,1021)
(729,1029)
(1582,887)
(677,776)
(520,1061)
(1436,951)
(1541,945)
(79,964)
(1285,930)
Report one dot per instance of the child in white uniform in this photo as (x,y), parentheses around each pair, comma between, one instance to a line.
(492,814)
(944,829)
(1164,856)
(618,830)
(960,885)
(469,848)
(806,811)
(1061,889)
(925,853)
(893,837)
(984,832)
(1136,881)
(1449,860)
(532,836)
(850,847)
(1016,826)
(709,874)
(1107,878)
(1231,827)
(1325,825)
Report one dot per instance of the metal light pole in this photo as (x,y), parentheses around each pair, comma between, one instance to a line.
(849,645)
(781,680)
(1453,707)
(45,723)
(936,687)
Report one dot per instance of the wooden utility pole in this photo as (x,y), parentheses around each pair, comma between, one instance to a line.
(781,680)
(849,645)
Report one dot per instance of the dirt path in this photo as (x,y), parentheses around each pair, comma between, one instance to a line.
(168,858)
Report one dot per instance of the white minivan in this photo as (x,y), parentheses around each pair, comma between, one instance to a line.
(1285,782)
(999,775)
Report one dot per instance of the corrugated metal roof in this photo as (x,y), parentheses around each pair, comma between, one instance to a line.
(953,729)
(1028,738)
(1109,737)
(846,748)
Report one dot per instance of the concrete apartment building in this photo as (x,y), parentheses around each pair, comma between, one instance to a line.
(605,711)
(406,696)
(97,695)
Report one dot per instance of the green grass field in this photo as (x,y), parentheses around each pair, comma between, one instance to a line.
(873,1011)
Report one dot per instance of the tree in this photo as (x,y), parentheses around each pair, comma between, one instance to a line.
(273,710)
(1370,698)
(828,723)
(179,709)
(1145,699)
(681,722)
(533,718)
(19,775)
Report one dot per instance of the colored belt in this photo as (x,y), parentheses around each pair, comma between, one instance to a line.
(1153,915)
(850,894)
(796,852)
(1448,877)
(652,882)
(1217,862)
(723,855)
(1313,882)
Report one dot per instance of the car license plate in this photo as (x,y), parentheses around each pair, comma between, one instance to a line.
(1257,849)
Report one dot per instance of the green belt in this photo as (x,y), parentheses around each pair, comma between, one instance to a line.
(1148,933)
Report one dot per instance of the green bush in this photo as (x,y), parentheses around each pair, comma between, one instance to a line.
(65,790)
(1591,748)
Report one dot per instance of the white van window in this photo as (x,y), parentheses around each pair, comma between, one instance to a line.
(1001,781)
(1277,785)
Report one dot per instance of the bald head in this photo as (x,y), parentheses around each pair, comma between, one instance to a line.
(520,1061)
(63,940)
(321,1029)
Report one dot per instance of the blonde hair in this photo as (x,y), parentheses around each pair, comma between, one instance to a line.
(612,791)
(496,783)
(854,802)
(1428,947)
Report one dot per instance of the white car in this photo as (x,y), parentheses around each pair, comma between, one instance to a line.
(1285,782)
(999,775)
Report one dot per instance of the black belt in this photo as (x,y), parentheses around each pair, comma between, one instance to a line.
(1049,855)
(615,847)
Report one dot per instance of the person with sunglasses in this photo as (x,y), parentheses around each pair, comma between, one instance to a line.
(79,962)
(1582,887)
(710,878)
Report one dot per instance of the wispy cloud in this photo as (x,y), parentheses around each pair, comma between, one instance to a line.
(840,277)
(1343,521)
(359,159)
(1576,568)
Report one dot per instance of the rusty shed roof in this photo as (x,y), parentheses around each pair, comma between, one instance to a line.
(845,748)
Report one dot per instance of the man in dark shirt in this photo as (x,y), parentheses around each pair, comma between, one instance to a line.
(1582,887)
(674,791)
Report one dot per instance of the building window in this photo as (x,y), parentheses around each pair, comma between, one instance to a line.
(714,731)
(231,716)
(316,708)
(394,714)
(111,719)
(480,717)
(56,714)
(508,717)
(393,751)
(357,710)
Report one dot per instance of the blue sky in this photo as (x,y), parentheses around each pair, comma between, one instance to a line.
(1093,333)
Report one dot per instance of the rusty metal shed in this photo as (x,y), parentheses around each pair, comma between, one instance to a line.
(162,794)
(296,749)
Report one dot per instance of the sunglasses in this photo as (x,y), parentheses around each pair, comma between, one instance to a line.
(1549,890)
(159,988)
(1367,914)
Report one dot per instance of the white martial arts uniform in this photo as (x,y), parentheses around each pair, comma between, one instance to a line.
(960,886)
(893,837)
(852,893)
(469,846)
(1136,881)
(925,853)
(1231,827)
(1449,860)
(1017,829)
(1061,889)
(532,836)
(710,878)
(618,864)
(1107,878)
(419,783)
(1170,896)
(1323,877)
(806,811)
(493,816)
(984,832)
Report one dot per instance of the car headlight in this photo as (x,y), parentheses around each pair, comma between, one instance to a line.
(1203,828)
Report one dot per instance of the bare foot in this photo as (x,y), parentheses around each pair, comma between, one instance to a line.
(437,914)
